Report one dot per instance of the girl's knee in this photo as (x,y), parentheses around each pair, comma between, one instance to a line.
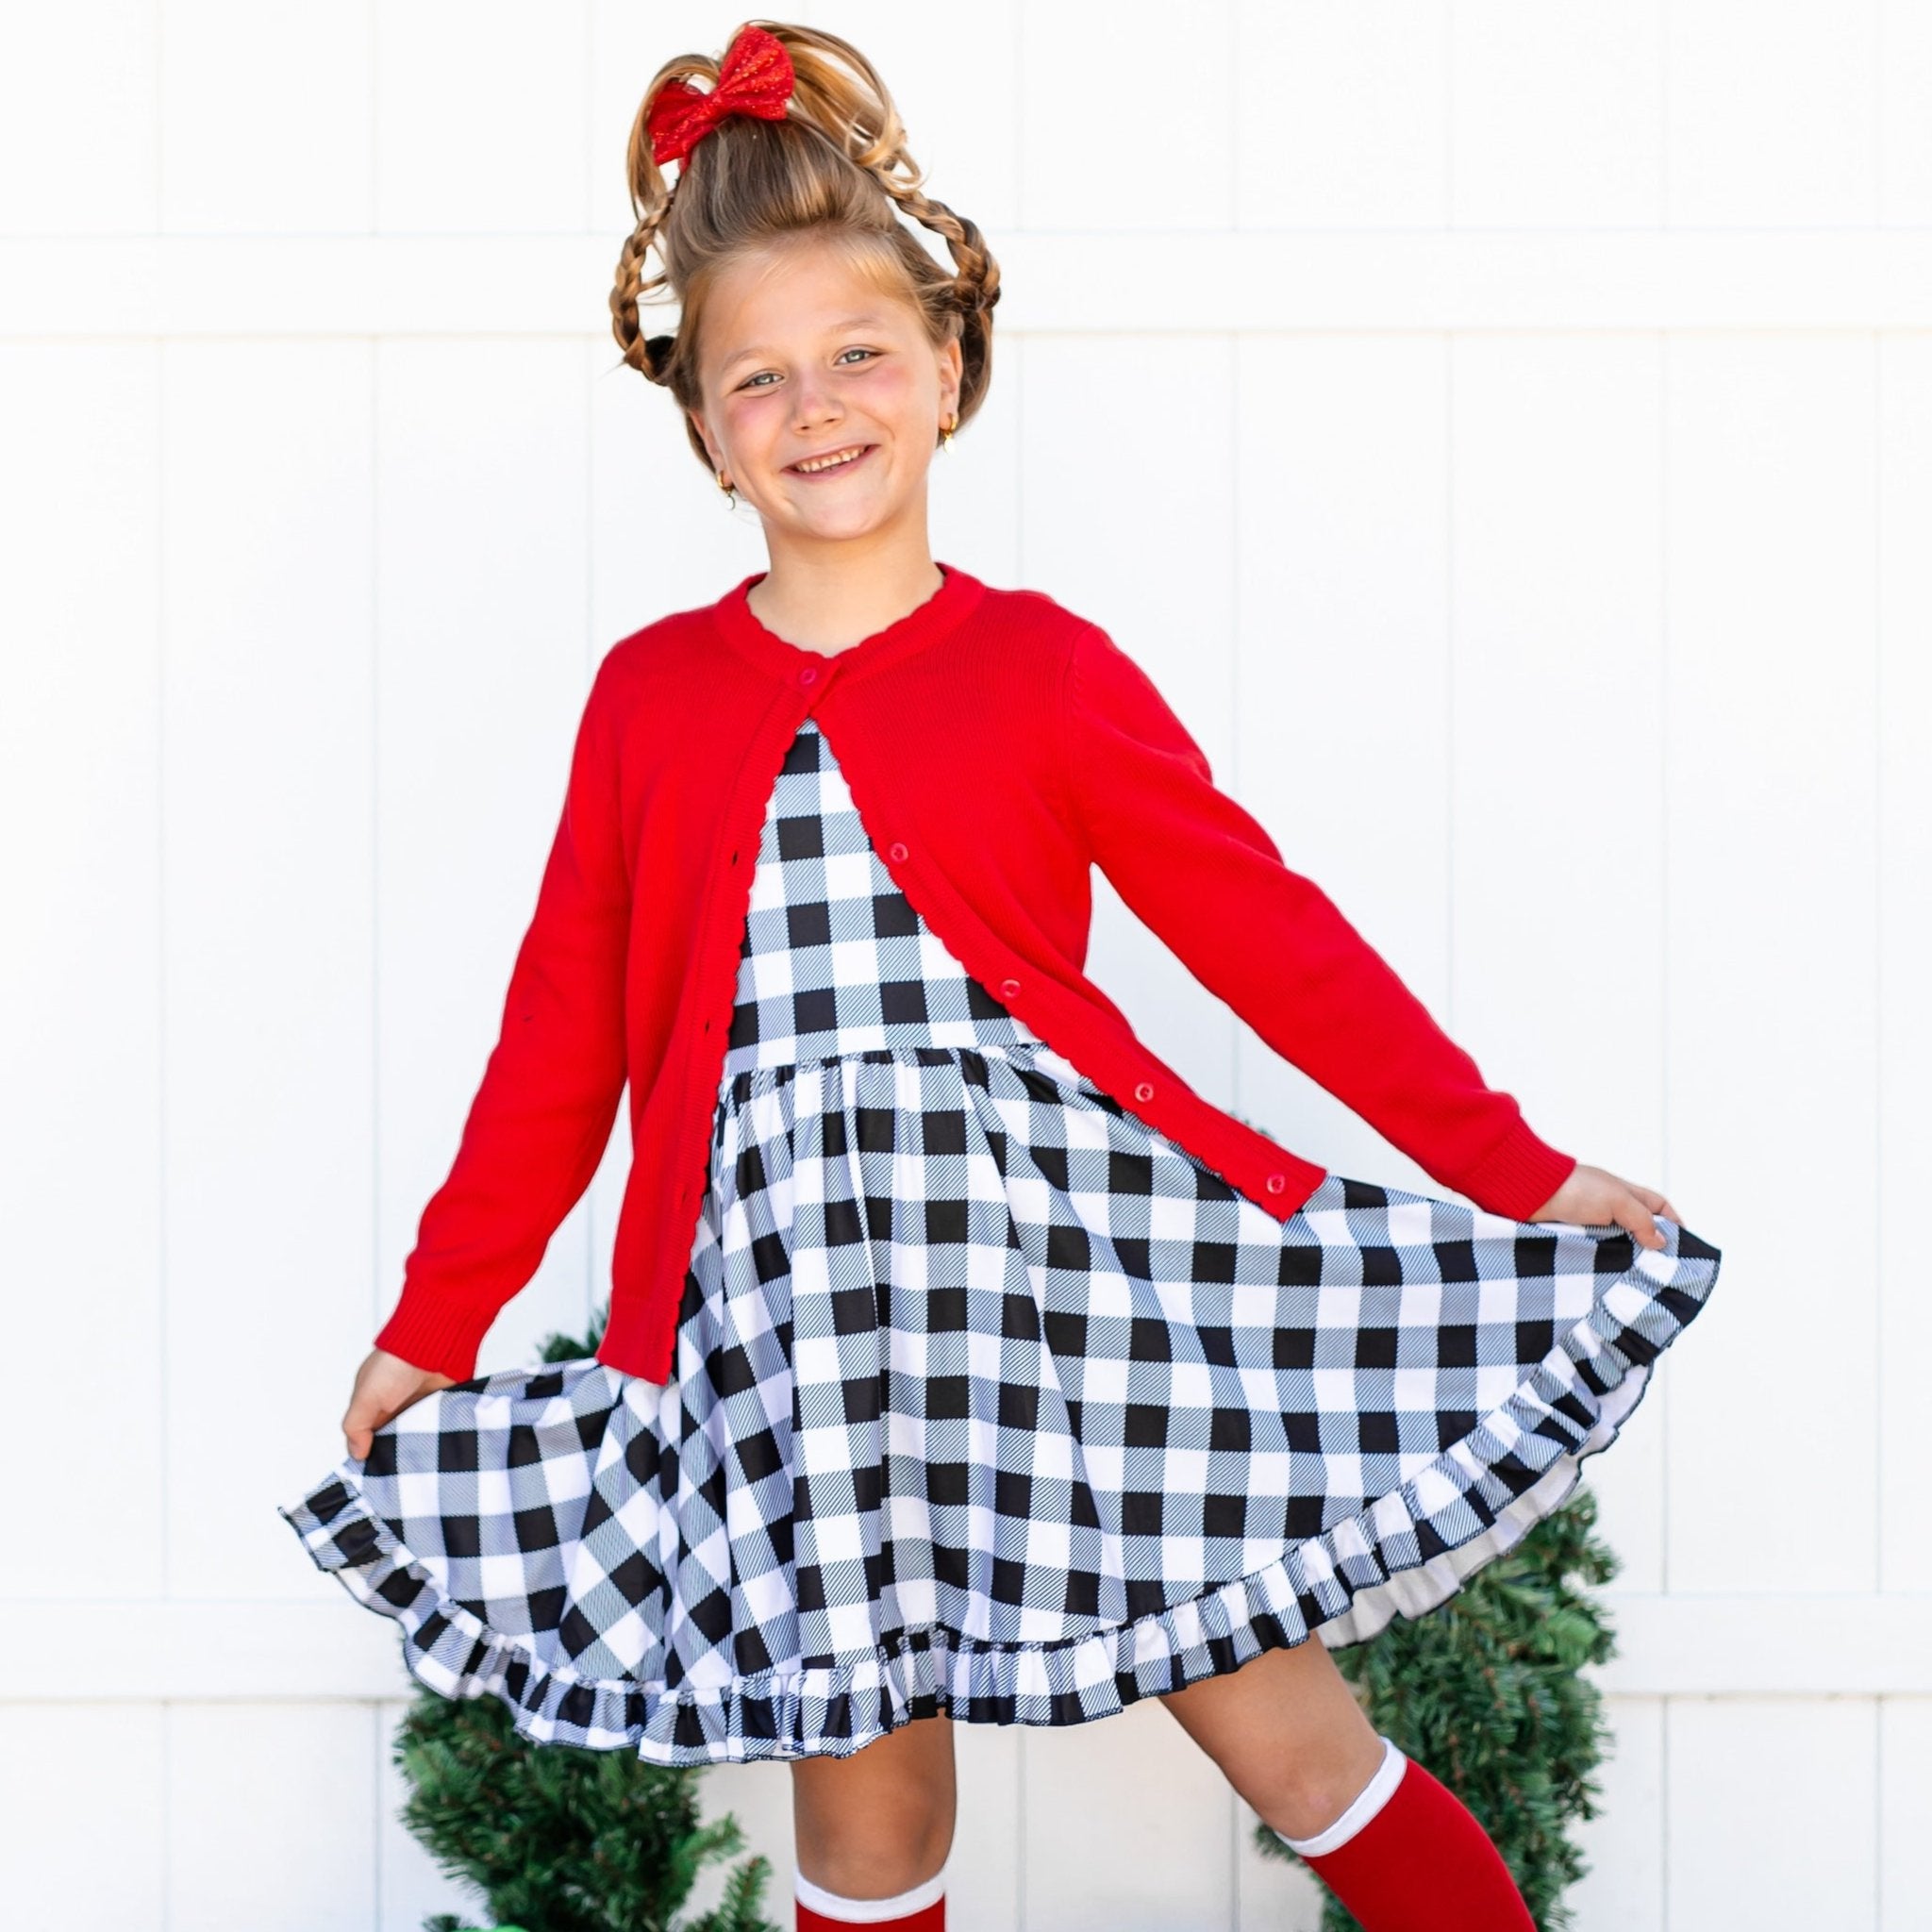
(853,1843)
(875,1868)
(878,1822)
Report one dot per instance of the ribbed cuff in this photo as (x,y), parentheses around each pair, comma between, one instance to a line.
(870,1911)
(436,1334)
(1518,1174)
(1366,1802)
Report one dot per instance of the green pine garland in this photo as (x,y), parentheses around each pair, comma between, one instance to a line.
(560,1838)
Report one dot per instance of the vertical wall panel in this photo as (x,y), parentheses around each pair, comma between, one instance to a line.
(80,957)
(243,79)
(1556,767)
(1343,114)
(1622,1887)
(1904,1768)
(976,490)
(1769,113)
(1128,480)
(1340,743)
(1903,787)
(1087,159)
(480,118)
(484,664)
(1272,1895)
(1558,115)
(1133,1796)
(79,1848)
(1556,798)
(997,1826)
(272,1827)
(1904,112)
(1771,1811)
(80,118)
(408,1885)
(267,963)
(663,536)
(1769,925)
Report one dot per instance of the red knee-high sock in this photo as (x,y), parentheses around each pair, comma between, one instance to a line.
(921,1909)
(1419,1861)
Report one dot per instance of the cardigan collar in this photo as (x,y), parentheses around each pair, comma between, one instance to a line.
(941,613)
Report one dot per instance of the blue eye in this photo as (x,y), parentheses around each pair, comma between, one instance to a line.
(755,381)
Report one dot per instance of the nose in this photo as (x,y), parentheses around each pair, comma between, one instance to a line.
(812,402)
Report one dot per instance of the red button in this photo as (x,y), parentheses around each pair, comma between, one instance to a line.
(1276,1182)
(1008,988)
(809,675)
(1144,1091)
(898,851)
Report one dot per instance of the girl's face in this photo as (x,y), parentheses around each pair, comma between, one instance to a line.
(802,359)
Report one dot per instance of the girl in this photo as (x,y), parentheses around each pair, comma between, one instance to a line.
(961,1362)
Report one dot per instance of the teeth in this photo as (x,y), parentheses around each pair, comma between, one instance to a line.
(829,462)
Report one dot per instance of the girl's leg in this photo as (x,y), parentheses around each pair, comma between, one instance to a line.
(873,1831)
(1399,1849)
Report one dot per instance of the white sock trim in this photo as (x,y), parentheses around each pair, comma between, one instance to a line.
(1369,1801)
(869,1911)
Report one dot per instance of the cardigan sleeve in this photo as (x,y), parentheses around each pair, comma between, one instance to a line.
(1204,875)
(541,1116)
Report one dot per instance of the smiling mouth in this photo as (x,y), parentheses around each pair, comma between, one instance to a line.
(843,461)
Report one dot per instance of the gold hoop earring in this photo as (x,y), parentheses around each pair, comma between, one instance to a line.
(730,494)
(946,434)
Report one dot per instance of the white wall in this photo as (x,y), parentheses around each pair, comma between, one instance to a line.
(1505,431)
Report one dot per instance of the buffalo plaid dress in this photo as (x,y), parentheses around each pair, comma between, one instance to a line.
(988,1398)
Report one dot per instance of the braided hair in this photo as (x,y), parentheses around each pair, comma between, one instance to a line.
(835,170)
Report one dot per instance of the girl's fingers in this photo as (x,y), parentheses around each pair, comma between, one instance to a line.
(1650,1234)
(1644,1228)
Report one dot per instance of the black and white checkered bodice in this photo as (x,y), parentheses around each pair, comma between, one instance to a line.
(834,959)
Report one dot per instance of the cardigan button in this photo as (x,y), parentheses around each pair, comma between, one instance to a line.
(809,675)
(898,851)
(1276,1182)
(1144,1091)
(1008,989)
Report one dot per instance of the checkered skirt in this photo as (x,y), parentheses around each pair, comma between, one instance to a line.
(988,1398)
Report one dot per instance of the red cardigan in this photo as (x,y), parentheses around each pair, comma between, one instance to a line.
(997,747)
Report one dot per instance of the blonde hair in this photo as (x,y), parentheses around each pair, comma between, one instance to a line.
(836,170)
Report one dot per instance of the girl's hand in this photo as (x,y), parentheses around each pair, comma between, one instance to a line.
(1594,1194)
(385,1386)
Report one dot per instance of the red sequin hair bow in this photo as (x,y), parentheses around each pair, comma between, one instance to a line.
(755,77)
